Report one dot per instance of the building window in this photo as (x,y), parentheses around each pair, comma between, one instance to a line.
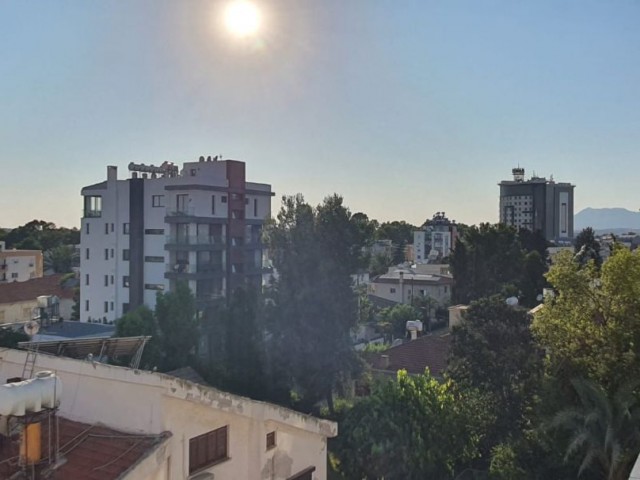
(86,279)
(255,207)
(125,229)
(152,259)
(392,290)
(157,200)
(306,474)
(125,254)
(86,228)
(154,231)
(113,252)
(106,254)
(446,289)
(112,227)
(213,204)
(223,199)
(14,275)
(87,254)
(271,440)
(112,280)
(125,281)
(106,229)
(86,305)
(111,306)
(93,206)
(208,449)
(106,280)
(106,307)
(154,286)
(193,172)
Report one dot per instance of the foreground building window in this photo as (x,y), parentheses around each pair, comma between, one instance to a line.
(208,449)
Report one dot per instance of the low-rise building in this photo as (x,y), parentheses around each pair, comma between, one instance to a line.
(404,285)
(129,424)
(19,300)
(19,265)
(435,240)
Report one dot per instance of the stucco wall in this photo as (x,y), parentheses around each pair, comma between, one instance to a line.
(145,402)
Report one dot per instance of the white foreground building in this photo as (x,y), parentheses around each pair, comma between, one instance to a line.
(122,423)
(141,235)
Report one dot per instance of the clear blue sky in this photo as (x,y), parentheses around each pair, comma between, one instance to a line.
(405,107)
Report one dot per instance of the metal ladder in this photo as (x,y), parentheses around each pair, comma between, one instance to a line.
(30,362)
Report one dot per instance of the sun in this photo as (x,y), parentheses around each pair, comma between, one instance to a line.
(242,18)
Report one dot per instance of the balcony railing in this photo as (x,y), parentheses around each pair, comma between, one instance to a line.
(180,268)
(180,211)
(195,239)
(92,213)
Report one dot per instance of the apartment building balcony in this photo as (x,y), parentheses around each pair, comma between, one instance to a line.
(194,242)
(180,212)
(190,271)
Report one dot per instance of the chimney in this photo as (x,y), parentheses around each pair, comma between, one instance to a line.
(112,173)
(385,361)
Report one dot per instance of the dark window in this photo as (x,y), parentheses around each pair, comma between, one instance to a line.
(86,279)
(106,229)
(125,281)
(93,206)
(152,259)
(125,254)
(113,252)
(87,254)
(106,307)
(255,207)
(157,200)
(213,204)
(154,231)
(125,228)
(106,280)
(207,449)
(306,474)
(112,279)
(154,286)
(392,290)
(86,305)
(106,254)
(111,306)
(86,228)
(112,227)
(224,199)
(271,440)
(193,172)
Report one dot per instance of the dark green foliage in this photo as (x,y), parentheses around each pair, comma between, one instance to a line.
(493,351)
(10,339)
(587,248)
(393,320)
(410,428)
(176,317)
(604,430)
(491,259)
(141,322)
(41,235)
(236,359)
(379,264)
(314,305)
(61,259)
(400,233)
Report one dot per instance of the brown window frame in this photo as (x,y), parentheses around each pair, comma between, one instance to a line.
(271,440)
(208,449)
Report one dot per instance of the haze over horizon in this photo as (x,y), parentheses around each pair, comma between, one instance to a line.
(404,109)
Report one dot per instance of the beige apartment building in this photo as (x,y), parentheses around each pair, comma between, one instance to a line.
(20,265)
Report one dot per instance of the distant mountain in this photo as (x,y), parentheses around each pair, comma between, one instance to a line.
(609,219)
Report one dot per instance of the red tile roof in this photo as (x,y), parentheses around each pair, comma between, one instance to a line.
(428,351)
(89,452)
(14,292)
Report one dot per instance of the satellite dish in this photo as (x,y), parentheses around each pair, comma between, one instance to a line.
(539,297)
(512,301)
(31,328)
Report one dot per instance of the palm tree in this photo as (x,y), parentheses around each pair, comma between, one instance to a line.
(604,429)
(61,259)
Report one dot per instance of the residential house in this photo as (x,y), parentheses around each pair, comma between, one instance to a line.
(19,265)
(19,300)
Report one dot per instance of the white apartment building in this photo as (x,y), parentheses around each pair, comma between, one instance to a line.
(141,235)
(121,423)
(435,240)
(19,265)
(402,286)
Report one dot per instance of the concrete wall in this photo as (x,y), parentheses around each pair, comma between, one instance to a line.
(145,402)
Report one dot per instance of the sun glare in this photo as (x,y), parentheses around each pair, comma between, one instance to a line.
(242,18)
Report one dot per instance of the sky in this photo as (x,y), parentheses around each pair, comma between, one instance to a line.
(403,107)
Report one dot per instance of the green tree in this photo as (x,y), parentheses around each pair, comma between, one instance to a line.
(411,428)
(587,247)
(591,327)
(400,233)
(493,351)
(61,259)
(379,264)
(176,318)
(393,320)
(41,235)
(314,252)
(141,322)
(604,429)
